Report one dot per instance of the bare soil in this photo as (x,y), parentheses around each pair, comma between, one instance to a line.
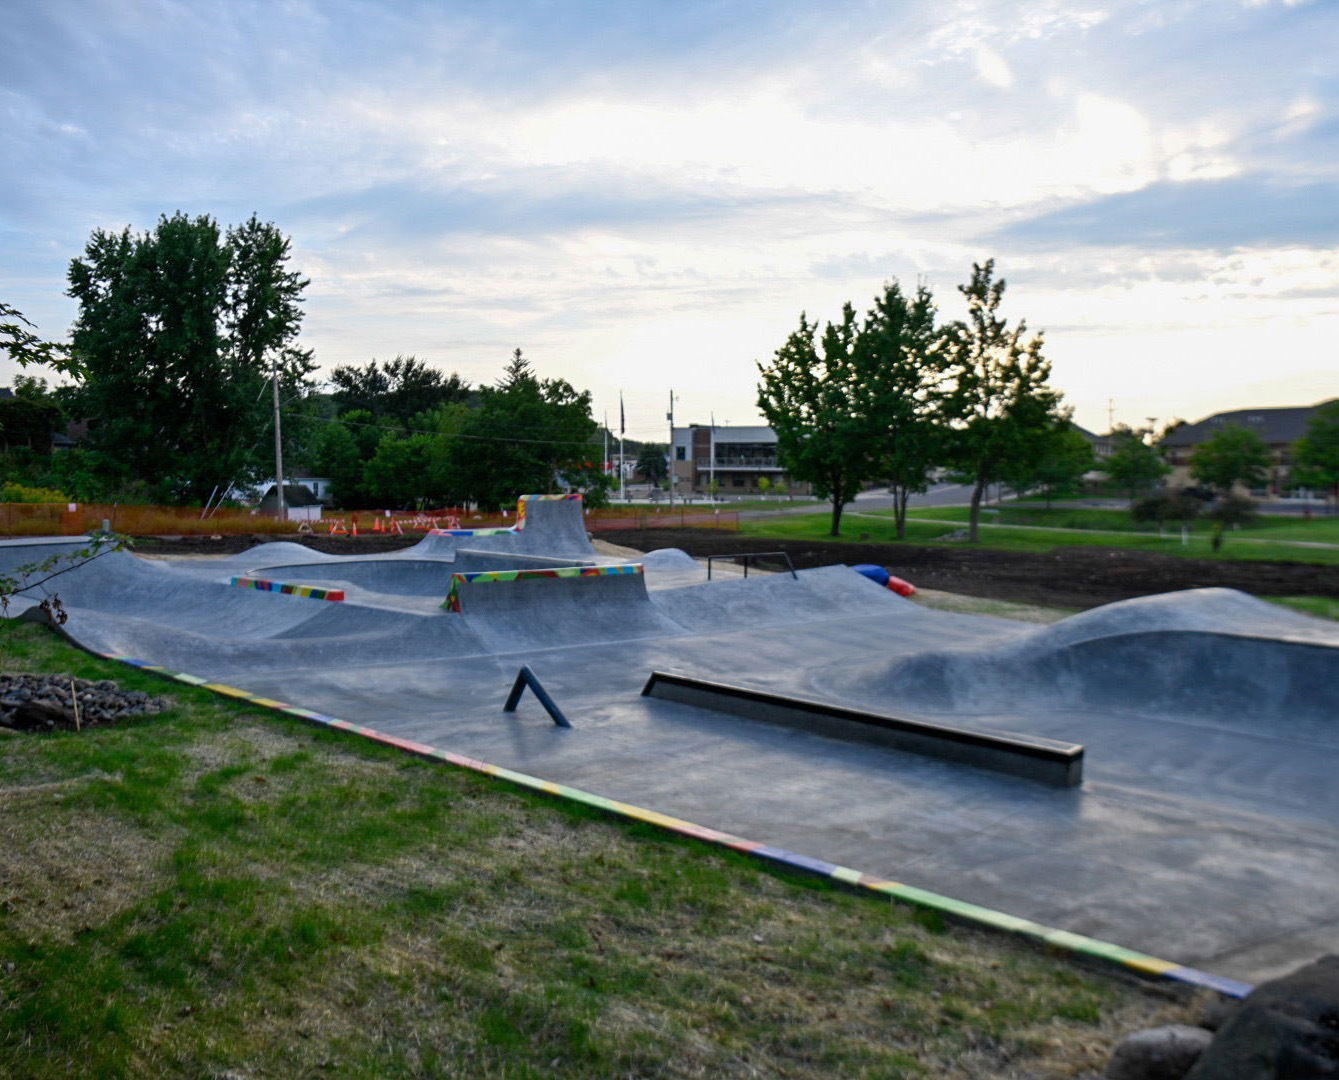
(1073,577)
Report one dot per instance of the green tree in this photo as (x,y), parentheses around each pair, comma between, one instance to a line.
(24,347)
(25,422)
(528,436)
(400,389)
(651,462)
(901,356)
(177,333)
(399,476)
(1316,454)
(1231,455)
(815,397)
(1062,458)
(1001,407)
(1133,465)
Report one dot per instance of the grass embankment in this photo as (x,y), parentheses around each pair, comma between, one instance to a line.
(1039,530)
(221,891)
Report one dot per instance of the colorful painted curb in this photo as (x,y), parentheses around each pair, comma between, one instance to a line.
(311,592)
(1129,959)
(488,577)
(520,518)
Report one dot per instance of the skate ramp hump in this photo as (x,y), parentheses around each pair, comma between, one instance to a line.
(544,608)
(1208,654)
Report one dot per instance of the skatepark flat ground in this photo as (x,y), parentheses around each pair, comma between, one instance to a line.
(1206,830)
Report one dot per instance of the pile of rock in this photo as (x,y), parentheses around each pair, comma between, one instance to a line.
(1287,1029)
(60,703)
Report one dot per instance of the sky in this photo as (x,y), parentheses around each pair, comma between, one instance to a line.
(644,196)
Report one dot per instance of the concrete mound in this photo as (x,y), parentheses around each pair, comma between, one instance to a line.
(1205,653)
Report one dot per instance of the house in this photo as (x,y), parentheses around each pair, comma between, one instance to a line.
(299,501)
(1277,428)
(736,457)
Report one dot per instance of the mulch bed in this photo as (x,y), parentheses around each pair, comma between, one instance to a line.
(1080,577)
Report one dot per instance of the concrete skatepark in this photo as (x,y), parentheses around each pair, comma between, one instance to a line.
(1205,829)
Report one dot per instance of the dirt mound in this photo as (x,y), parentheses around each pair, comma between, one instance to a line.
(1065,576)
(60,703)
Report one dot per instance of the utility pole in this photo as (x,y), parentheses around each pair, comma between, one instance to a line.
(670,417)
(604,465)
(278,449)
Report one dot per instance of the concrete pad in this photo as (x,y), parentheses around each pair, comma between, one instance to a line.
(1206,831)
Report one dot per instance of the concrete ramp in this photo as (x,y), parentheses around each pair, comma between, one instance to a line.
(553,525)
(526,609)
(1209,654)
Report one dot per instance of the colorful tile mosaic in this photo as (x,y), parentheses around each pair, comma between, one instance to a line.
(489,577)
(311,592)
(1129,959)
(520,517)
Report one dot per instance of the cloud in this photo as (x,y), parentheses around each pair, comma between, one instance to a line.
(1246,211)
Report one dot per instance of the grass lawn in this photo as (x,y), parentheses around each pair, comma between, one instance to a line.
(878,526)
(221,891)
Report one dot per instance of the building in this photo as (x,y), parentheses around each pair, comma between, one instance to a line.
(738,457)
(1277,428)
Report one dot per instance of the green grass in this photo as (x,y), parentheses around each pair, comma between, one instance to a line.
(1325,607)
(878,527)
(219,890)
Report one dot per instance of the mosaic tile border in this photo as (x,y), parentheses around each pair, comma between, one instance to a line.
(310,592)
(490,577)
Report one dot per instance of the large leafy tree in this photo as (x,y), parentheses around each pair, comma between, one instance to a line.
(1002,406)
(817,400)
(399,390)
(1316,454)
(1232,455)
(528,435)
(901,355)
(178,330)
(651,462)
(1134,466)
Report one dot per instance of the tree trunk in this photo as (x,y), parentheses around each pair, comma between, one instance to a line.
(974,518)
(900,496)
(838,505)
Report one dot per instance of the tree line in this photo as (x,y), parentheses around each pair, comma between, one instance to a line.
(894,395)
(181,333)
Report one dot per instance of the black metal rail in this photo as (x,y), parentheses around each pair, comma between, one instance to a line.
(747,555)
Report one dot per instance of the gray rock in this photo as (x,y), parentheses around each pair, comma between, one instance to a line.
(1161,1053)
(1286,1029)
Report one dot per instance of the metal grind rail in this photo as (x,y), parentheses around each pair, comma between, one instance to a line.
(747,555)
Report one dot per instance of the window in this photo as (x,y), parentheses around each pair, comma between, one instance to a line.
(681,453)
(737,480)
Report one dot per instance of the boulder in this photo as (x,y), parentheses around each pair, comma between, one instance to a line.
(1161,1053)
(1285,1029)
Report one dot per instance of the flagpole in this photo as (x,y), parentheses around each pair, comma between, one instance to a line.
(670,417)
(711,460)
(622,426)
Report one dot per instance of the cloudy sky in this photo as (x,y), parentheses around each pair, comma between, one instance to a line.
(645,194)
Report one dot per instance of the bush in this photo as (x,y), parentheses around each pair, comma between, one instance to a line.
(19,493)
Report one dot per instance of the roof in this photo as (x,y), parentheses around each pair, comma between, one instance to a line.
(1275,426)
(726,433)
(294,495)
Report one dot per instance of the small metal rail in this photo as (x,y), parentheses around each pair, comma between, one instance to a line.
(525,677)
(747,555)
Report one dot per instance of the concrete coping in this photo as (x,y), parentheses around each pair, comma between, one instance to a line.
(1049,761)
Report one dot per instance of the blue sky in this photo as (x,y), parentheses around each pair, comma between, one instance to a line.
(646,195)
